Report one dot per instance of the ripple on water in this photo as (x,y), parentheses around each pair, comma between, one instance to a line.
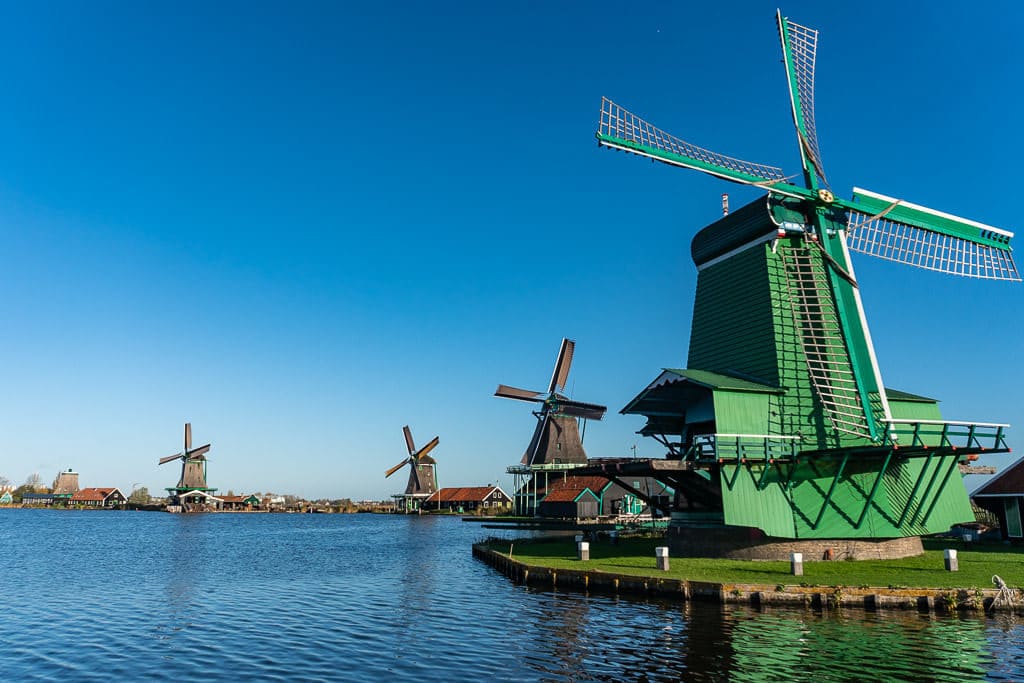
(157,597)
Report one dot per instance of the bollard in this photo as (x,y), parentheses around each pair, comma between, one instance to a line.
(661,553)
(952,564)
(796,563)
(582,550)
(614,537)
(579,537)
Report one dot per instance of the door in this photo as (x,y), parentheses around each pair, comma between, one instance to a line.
(1013,526)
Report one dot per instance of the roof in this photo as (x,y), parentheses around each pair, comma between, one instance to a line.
(566,495)
(464,494)
(235,499)
(1009,482)
(701,379)
(96,494)
(594,483)
(897,395)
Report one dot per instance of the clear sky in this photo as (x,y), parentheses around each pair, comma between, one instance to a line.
(301,226)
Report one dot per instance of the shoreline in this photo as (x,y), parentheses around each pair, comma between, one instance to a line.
(817,597)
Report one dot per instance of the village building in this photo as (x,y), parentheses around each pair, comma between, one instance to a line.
(99,497)
(6,498)
(45,499)
(469,498)
(239,503)
(567,497)
(570,503)
(1003,496)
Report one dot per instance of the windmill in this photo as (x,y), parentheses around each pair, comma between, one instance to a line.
(193,471)
(556,442)
(422,472)
(782,411)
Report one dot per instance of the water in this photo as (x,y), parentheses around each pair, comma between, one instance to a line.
(152,596)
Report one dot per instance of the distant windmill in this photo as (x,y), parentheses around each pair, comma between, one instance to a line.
(193,467)
(422,472)
(556,438)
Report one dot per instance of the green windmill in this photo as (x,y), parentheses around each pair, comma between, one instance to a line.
(781,427)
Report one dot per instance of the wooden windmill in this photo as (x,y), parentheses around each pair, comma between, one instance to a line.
(781,422)
(193,470)
(556,443)
(422,472)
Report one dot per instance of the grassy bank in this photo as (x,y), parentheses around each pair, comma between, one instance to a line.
(635,557)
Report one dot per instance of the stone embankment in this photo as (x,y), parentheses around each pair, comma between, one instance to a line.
(939,600)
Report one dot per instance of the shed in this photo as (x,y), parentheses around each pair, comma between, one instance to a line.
(570,502)
(108,496)
(1003,496)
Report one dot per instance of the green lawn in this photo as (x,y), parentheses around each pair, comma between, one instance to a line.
(636,556)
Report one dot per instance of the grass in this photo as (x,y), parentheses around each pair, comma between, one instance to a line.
(635,556)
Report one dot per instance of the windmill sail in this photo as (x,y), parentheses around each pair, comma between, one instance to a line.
(918,236)
(620,129)
(800,47)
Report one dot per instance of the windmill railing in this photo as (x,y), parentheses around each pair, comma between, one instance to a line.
(954,434)
(742,448)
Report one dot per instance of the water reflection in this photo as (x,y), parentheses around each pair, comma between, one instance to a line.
(346,597)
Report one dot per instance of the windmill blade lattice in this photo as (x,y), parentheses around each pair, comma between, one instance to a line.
(899,231)
(620,129)
(800,46)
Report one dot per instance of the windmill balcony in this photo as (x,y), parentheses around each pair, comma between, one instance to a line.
(742,447)
(968,436)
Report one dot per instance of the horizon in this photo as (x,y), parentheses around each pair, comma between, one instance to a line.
(300,229)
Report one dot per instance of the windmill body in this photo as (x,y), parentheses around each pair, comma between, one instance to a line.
(191,491)
(556,446)
(780,423)
(422,474)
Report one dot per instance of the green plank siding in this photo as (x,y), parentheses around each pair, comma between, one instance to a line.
(741,412)
(733,331)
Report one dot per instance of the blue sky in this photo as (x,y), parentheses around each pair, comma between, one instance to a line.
(301,226)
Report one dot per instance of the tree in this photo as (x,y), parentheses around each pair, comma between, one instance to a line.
(139,496)
(34,481)
(4,482)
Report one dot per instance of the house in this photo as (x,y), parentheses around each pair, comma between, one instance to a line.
(101,497)
(569,502)
(1003,496)
(236,503)
(6,498)
(613,499)
(46,499)
(465,498)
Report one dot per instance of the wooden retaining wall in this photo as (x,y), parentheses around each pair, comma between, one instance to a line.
(939,600)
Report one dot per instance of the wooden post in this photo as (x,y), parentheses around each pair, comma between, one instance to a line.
(952,564)
(582,551)
(796,563)
(661,554)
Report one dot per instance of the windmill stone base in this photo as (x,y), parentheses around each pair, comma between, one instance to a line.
(748,543)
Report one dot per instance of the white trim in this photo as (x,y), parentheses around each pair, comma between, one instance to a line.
(882,396)
(732,252)
(925,209)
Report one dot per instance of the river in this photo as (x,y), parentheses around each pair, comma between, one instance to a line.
(145,596)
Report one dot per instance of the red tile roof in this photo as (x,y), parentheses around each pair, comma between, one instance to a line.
(92,495)
(463,494)
(1009,482)
(595,483)
(565,495)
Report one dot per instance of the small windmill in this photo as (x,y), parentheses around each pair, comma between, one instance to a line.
(193,467)
(780,350)
(422,471)
(556,438)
